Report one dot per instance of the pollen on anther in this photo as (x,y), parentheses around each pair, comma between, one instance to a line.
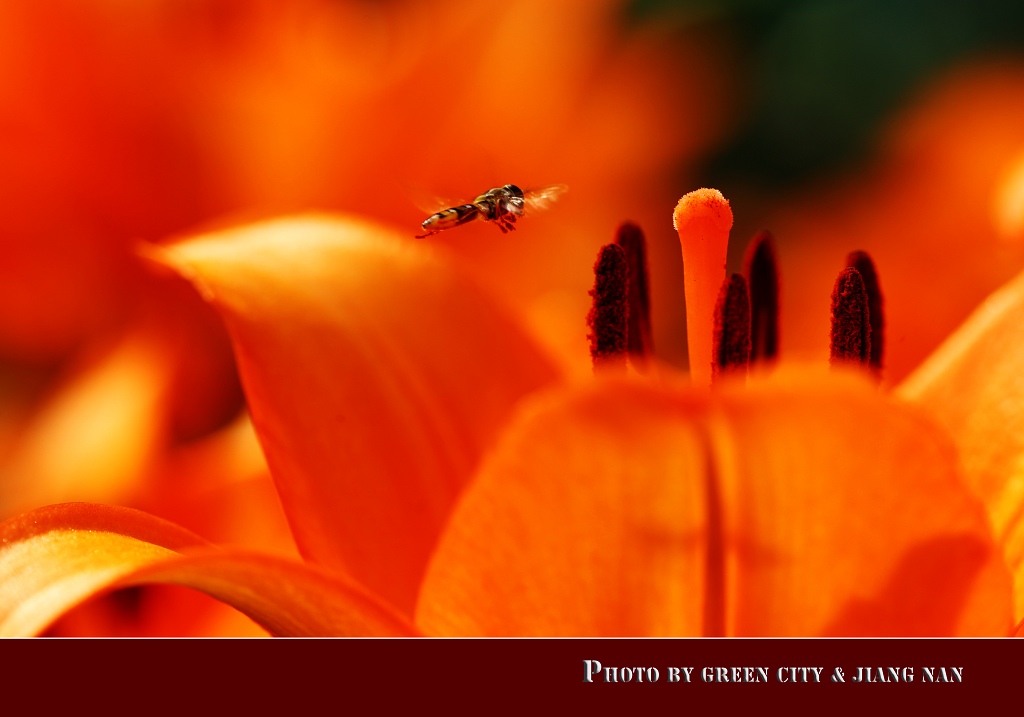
(862,262)
(609,314)
(761,271)
(851,327)
(631,238)
(732,328)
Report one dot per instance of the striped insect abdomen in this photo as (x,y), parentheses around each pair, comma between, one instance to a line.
(449,218)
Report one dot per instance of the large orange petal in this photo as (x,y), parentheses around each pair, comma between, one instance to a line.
(810,509)
(54,558)
(376,376)
(858,518)
(974,386)
(587,520)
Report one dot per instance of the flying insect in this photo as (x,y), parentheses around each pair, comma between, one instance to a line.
(501,205)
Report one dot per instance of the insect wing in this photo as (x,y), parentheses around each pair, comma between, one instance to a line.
(426,201)
(433,205)
(539,199)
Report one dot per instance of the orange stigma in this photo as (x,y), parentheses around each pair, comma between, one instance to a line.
(703,220)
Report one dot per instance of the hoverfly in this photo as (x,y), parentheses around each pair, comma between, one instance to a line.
(501,205)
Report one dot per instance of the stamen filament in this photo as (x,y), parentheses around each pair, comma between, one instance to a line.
(609,314)
(761,270)
(732,328)
(703,220)
(631,238)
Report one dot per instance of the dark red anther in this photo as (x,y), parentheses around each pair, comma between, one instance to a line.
(732,328)
(761,270)
(609,315)
(851,327)
(862,262)
(631,238)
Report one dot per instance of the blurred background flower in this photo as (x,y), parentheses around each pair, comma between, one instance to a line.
(895,127)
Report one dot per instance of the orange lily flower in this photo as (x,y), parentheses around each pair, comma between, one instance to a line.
(384,387)
(234,73)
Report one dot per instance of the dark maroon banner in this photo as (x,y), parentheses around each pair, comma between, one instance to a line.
(484,675)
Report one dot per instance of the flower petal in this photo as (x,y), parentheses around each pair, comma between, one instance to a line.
(566,532)
(805,509)
(973,385)
(285,597)
(868,498)
(56,557)
(376,376)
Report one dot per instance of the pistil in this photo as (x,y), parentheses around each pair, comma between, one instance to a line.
(609,313)
(703,220)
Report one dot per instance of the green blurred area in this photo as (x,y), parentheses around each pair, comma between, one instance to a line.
(819,76)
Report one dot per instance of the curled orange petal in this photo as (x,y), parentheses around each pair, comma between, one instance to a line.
(54,558)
